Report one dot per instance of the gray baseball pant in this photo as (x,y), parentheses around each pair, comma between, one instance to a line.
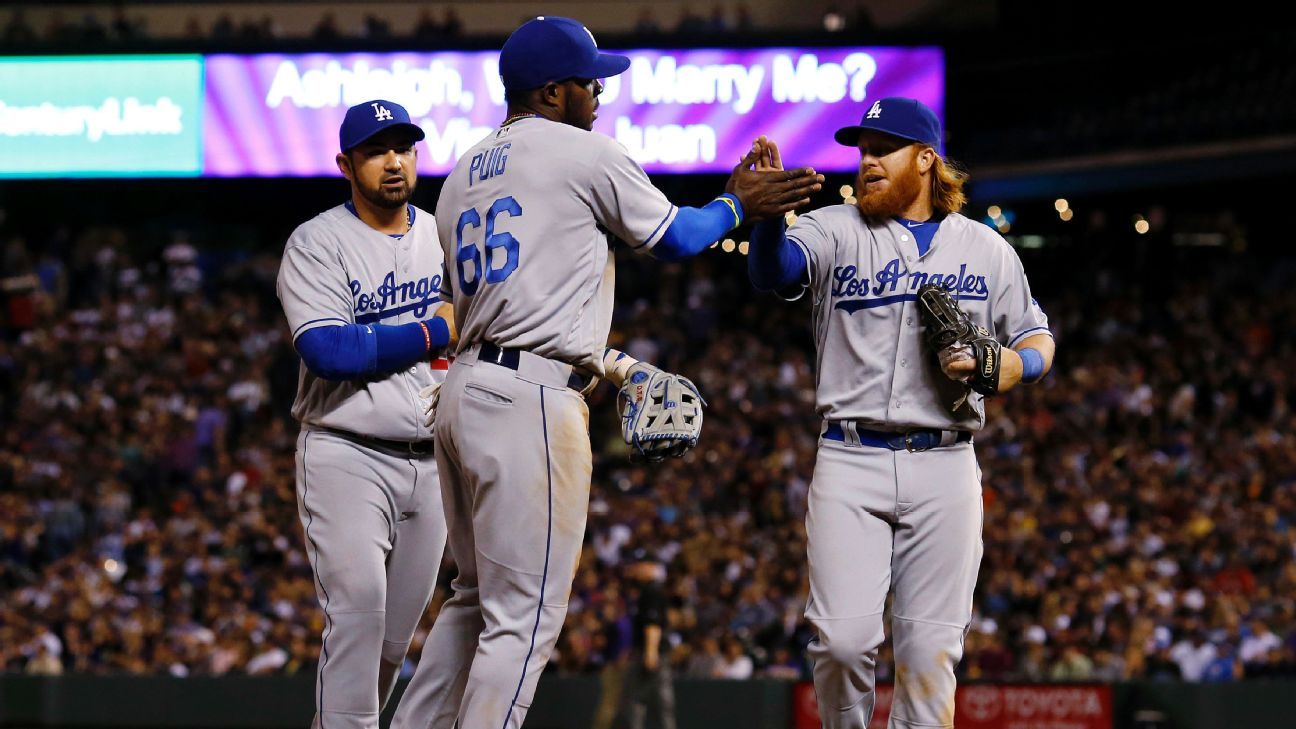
(883,520)
(375,534)
(514,454)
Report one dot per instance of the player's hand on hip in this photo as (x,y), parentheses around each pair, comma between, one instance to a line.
(445,312)
(768,194)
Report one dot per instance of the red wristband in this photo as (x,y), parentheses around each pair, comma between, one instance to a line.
(427,339)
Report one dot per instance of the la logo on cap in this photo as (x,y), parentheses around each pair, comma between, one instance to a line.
(875,112)
(381,113)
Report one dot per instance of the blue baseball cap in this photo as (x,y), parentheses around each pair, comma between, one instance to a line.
(365,120)
(550,48)
(900,117)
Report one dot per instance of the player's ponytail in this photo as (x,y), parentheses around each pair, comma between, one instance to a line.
(948,178)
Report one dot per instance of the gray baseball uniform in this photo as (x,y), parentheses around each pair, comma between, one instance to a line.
(882,516)
(367,487)
(524,221)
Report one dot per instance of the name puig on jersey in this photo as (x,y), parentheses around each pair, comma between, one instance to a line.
(418,296)
(488,163)
(847,284)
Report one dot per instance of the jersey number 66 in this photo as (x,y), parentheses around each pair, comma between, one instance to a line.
(468,253)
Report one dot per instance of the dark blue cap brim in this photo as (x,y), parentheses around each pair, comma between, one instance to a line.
(415,129)
(849,136)
(607,64)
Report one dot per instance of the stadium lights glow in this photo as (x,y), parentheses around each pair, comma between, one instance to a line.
(994,212)
(850,200)
(1141,227)
(1061,205)
(846,191)
(1066,214)
(728,245)
(742,247)
(791,217)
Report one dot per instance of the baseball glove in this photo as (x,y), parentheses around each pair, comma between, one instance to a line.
(661,413)
(952,334)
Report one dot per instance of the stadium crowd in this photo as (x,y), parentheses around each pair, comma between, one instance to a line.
(1139,503)
(121,25)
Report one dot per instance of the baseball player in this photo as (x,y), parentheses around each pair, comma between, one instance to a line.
(526,220)
(359,285)
(895,501)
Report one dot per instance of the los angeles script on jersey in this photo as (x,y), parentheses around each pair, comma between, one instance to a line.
(393,299)
(892,285)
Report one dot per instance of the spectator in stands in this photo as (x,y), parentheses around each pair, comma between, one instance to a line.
(427,29)
(785,666)
(451,25)
(737,664)
(93,29)
(1193,653)
(744,22)
(147,519)
(326,29)
(719,21)
(223,29)
(44,663)
(376,28)
(123,28)
(647,23)
(690,23)
(18,31)
(192,29)
(1108,667)
(1072,665)
(706,661)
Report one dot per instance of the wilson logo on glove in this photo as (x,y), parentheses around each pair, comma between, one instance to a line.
(947,326)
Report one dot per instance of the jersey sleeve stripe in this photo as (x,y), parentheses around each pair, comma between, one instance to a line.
(1028,332)
(661,227)
(305,325)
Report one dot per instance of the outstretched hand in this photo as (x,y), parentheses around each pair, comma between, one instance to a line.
(768,157)
(764,188)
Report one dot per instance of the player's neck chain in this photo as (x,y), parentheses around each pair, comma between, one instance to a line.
(409,222)
(409,217)
(516,117)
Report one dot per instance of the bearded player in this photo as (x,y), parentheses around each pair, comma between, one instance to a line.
(359,285)
(919,315)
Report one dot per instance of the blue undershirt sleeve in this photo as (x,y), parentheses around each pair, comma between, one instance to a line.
(774,263)
(354,351)
(694,229)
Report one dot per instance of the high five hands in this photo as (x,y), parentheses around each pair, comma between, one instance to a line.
(764,188)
